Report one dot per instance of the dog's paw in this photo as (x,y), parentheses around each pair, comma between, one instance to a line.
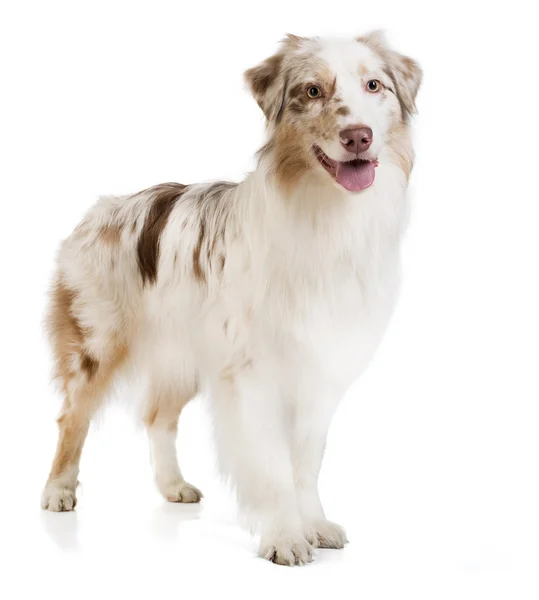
(58,499)
(181,491)
(325,534)
(286,549)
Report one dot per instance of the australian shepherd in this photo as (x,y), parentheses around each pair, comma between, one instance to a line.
(270,295)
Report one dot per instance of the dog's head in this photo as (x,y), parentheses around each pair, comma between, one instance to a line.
(334,107)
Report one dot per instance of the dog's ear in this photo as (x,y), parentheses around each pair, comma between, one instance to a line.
(267,85)
(405,73)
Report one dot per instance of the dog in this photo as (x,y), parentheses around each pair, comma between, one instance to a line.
(270,295)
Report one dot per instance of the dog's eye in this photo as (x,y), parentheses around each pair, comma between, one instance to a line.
(314,92)
(373,85)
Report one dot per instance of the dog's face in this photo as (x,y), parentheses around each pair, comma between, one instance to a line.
(333,106)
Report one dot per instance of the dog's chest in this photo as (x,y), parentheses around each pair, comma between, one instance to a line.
(332,314)
(321,298)
(345,327)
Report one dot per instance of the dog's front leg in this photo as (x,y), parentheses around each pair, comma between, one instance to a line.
(312,416)
(252,434)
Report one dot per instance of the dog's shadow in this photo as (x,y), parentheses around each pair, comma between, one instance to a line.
(168,517)
(62,529)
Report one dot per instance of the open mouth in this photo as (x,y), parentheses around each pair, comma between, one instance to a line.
(354,175)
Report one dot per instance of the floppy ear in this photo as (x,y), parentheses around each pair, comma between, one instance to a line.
(267,85)
(405,73)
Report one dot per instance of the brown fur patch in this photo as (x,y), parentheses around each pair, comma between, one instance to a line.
(66,333)
(164,198)
(343,111)
(89,365)
(331,86)
(294,41)
(291,161)
(164,406)
(209,252)
(73,428)
(230,371)
(261,78)
(395,90)
(110,234)
(298,101)
(400,148)
(151,415)
(197,267)
(409,67)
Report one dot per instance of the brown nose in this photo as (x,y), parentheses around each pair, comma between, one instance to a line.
(356,139)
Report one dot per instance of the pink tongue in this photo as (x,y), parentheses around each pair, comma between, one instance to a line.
(355,175)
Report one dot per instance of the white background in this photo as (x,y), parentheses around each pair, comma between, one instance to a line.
(432,461)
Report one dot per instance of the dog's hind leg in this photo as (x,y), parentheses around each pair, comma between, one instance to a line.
(164,405)
(86,360)
(73,423)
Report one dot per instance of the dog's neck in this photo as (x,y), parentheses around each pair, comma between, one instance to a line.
(316,203)
(313,197)
(314,225)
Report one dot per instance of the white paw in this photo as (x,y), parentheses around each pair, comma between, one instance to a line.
(287,549)
(58,499)
(326,534)
(181,491)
